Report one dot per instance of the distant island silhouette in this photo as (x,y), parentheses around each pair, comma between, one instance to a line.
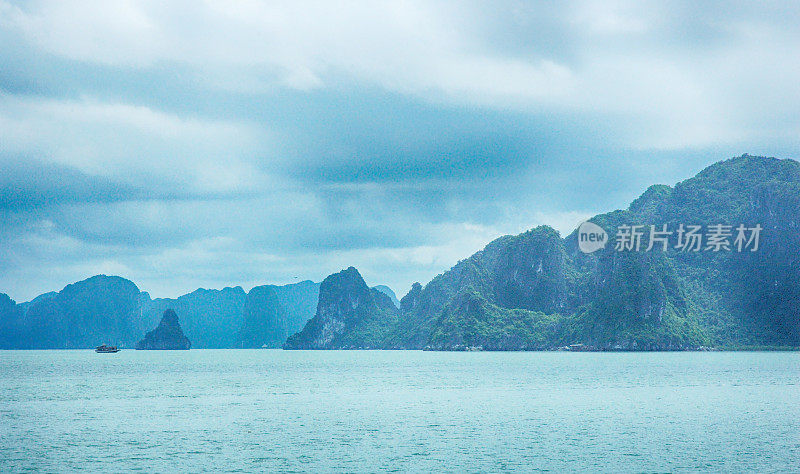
(167,336)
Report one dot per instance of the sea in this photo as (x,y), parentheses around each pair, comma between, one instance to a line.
(399,411)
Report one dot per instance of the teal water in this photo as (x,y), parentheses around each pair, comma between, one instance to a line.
(272,410)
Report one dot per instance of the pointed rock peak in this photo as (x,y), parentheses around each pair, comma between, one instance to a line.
(345,288)
(351,272)
(169,319)
(167,336)
(346,306)
(348,276)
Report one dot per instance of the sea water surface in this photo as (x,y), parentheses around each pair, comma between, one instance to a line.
(354,411)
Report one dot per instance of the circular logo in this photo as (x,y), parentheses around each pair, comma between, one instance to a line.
(591,237)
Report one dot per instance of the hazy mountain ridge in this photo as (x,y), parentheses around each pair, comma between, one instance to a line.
(112,309)
(388,292)
(60,320)
(272,313)
(209,317)
(530,291)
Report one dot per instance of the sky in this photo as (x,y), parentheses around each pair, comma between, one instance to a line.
(217,143)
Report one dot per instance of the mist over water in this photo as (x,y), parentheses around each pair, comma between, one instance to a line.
(275,410)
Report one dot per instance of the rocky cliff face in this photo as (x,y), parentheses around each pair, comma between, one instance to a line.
(167,336)
(528,271)
(9,320)
(99,309)
(265,321)
(272,313)
(349,315)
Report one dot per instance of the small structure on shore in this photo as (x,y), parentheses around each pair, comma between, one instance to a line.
(579,348)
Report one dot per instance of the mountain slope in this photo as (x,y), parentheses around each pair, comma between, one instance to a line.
(534,290)
(538,291)
(264,321)
(737,298)
(99,309)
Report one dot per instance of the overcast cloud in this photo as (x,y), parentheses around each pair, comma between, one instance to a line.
(240,143)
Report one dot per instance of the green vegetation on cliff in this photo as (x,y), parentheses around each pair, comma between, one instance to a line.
(350,315)
(539,291)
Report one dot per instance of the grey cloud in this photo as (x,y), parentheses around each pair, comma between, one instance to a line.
(27,184)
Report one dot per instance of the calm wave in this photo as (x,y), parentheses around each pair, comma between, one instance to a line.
(275,410)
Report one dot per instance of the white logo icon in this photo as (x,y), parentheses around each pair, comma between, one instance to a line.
(591,237)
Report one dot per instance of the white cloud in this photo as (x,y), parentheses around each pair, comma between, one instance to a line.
(614,17)
(413,47)
(116,33)
(120,140)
